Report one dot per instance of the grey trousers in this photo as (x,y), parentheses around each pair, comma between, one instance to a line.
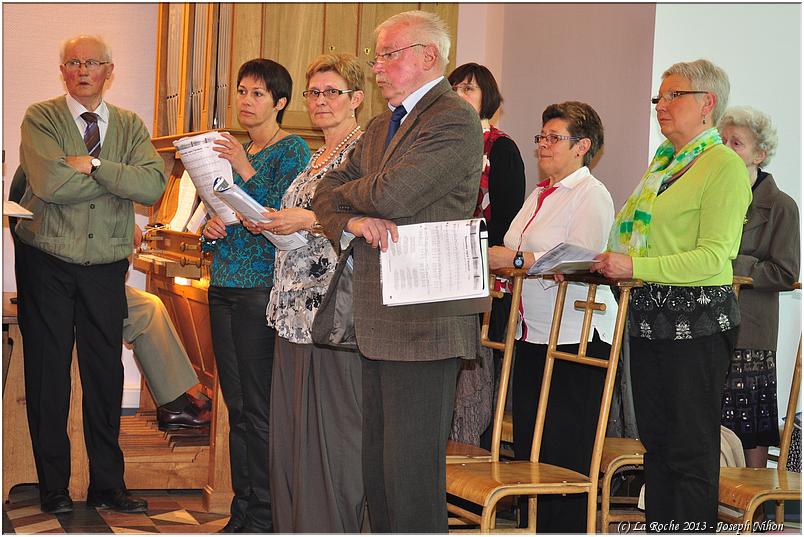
(316,454)
(157,348)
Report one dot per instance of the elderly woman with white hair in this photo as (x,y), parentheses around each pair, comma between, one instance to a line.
(770,255)
(678,233)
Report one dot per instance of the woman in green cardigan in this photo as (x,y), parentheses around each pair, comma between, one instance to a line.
(678,232)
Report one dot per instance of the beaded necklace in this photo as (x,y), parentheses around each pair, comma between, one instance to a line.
(334,151)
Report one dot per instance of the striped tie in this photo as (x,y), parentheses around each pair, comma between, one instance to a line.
(92,133)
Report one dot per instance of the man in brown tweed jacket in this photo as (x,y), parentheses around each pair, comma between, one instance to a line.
(419,163)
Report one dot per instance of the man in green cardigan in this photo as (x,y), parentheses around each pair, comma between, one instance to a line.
(86,162)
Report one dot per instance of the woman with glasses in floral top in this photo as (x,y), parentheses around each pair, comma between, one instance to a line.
(316,397)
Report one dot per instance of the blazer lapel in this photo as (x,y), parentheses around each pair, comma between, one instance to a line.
(412,115)
(761,203)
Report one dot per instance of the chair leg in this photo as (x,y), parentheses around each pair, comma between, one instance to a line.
(591,512)
(605,503)
(779,513)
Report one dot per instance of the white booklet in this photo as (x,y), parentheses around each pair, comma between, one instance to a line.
(204,165)
(565,258)
(239,200)
(436,262)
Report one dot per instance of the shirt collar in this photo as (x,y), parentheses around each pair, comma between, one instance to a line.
(575,178)
(76,109)
(411,100)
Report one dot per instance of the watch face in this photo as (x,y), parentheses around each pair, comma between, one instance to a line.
(95,162)
(518,260)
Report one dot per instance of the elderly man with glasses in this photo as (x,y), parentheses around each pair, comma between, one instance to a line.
(86,162)
(420,161)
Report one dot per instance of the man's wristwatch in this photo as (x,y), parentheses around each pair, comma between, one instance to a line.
(95,162)
(519,260)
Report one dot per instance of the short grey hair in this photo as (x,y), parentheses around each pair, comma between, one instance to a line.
(107,50)
(705,76)
(423,27)
(756,121)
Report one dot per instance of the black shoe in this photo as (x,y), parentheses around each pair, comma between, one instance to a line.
(233,526)
(117,500)
(57,501)
(187,417)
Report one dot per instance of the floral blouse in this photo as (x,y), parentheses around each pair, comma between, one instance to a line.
(241,258)
(302,276)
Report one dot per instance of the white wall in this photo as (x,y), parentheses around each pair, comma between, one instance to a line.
(32,34)
(759,46)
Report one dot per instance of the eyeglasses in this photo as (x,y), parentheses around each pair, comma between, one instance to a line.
(91,65)
(670,96)
(553,139)
(329,93)
(391,56)
(465,88)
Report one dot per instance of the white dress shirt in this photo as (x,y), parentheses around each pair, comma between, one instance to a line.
(76,109)
(580,211)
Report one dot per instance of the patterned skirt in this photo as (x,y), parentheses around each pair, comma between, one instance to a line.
(749,398)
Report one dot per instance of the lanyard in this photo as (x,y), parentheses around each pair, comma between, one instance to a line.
(546,191)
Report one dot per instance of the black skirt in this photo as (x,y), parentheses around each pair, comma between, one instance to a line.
(749,398)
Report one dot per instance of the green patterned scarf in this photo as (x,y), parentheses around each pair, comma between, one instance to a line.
(629,234)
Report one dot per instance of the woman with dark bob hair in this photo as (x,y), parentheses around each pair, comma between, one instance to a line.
(678,232)
(502,191)
(569,205)
(241,277)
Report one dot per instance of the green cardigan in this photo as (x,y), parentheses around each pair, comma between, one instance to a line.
(79,218)
(697,223)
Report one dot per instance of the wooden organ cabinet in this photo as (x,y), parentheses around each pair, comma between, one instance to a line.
(200,48)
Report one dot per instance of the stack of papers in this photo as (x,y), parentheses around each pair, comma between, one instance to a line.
(565,258)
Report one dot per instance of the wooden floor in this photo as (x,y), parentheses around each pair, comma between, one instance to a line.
(178,512)
(168,512)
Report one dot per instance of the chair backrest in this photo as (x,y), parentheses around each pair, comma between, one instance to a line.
(610,363)
(515,277)
(792,406)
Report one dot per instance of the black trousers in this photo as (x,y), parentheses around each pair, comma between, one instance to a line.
(407,413)
(244,352)
(61,304)
(677,396)
(569,427)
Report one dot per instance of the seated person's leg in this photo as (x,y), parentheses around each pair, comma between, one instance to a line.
(163,361)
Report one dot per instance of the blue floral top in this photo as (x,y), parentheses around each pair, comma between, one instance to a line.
(242,259)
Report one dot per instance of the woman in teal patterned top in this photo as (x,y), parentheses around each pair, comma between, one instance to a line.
(240,284)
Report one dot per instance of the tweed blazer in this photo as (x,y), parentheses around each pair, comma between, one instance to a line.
(429,172)
(770,254)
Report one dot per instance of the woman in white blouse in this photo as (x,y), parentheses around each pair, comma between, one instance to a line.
(570,206)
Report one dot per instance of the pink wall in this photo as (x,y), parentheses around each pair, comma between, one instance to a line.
(598,54)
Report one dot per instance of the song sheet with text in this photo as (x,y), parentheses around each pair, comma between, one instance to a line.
(436,262)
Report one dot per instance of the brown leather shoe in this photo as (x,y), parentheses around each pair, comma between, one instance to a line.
(187,417)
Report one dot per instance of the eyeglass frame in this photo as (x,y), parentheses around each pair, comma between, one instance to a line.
(386,56)
(75,65)
(463,87)
(557,138)
(307,94)
(674,95)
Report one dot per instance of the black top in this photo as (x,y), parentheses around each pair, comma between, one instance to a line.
(506,187)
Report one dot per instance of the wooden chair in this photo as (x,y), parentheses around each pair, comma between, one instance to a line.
(486,483)
(461,453)
(745,489)
(623,453)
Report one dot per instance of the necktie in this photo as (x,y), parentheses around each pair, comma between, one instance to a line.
(92,133)
(396,119)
